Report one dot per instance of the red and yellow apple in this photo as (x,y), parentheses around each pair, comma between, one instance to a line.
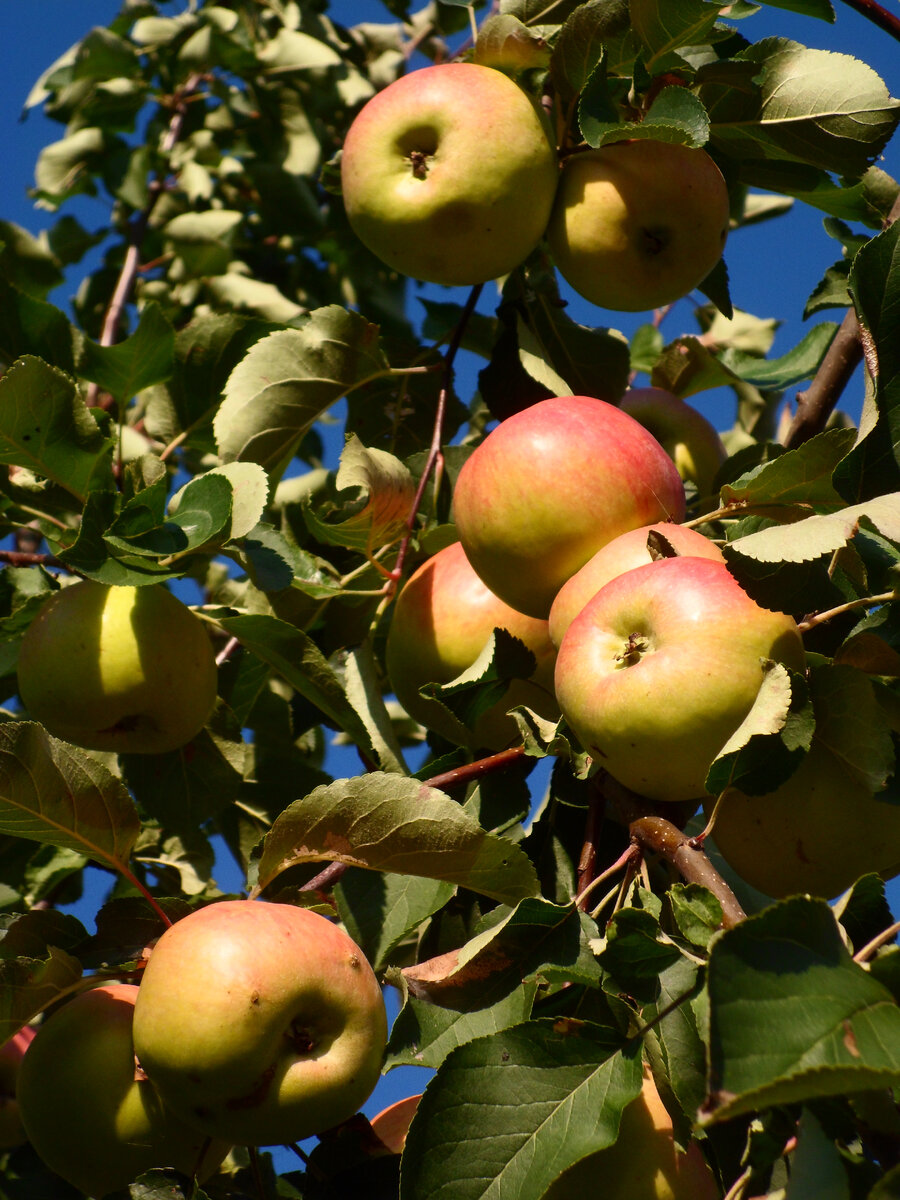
(684,433)
(128,669)
(442,620)
(638,224)
(85,1113)
(12,1131)
(624,553)
(643,1163)
(260,1023)
(660,668)
(449,175)
(552,484)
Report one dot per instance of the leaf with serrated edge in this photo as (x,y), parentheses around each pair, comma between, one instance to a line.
(250,490)
(423,1034)
(383,489)
(54,793)
(29,985)
(792,1017)
(389,823)
(288,379)
(801,476)
(820,534)
(506,1114)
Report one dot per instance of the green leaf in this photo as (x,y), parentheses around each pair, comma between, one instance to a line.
(821,9)
(819,534)
(291,50)
(792,1017)
(144,358)
(798,479)
(676,115)
(809,106)
(296,657)
(204,240)
(506,44)
(63,168)
(29,985)
(536,937)
(502,659)
(506,1114)
(56,794)
(778,373)
(390,823)
(424,1034)
(665,25)
(288,379)
(697,912)
(580,45)
(874,465)
(380,910)
(32,326)
(362,680)
(46,427)
(851,723)
(635,951)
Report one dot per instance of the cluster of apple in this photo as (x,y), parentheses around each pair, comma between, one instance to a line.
(450,176)
(254,1023)
(654,659)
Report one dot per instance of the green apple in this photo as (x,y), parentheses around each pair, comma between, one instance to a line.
(129,669)
(449,175)
(441,622)
(551,485)
(684,433)
(624,553)
(85,1113)
(638,224)
(260,1023)
(12,1131)
(660,668)
(821,829)
(643,1164)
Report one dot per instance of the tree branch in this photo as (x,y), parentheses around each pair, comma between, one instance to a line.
(878,15)
(469,772)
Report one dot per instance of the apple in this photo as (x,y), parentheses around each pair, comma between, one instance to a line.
(660,668)
(129,669)
(12,1131)
(85,1113)
(684,433)
(638,224)
(260,1023)
(552,484)
(442,619)
(822,829)
(643,1164)
(449,174)
(624,553)
(392,1124)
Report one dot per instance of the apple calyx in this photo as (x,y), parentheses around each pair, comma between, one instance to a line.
(636,646)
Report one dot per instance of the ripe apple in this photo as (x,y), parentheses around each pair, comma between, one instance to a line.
(643,1163)
(662,665)
(624,553)
(129,669)
(12,1132)
(87,1116)
(551,485)
(822,829)
(260,1023)
(442,620)
(449,174)
(684,433)
(392,1124)
(638,224)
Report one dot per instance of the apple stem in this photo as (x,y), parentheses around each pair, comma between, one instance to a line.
(151,900)
(820,618)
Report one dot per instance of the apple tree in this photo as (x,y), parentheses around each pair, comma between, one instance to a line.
(253,403)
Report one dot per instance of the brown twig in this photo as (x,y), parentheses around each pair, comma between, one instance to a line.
(878,15)
(21,558)
(587,862)
(668,841)
(469,772)
(820,618)
(816,404)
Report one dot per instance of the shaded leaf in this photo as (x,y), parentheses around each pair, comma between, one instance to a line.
(676,116)
(581,43)
(424,1034)
(144,358)
(506,1114)
(379,910)
(390,823)
(819,534)
(792,1017)
(29,985)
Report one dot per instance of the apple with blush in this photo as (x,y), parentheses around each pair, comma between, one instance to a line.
(260,1023)
(659,669)
(449,174)
(552,484)
(442,620)
(12,1131)
(638,224)
(624,553)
